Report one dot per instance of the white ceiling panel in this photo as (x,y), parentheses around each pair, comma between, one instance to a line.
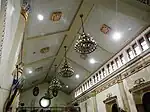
(38,67)
(128,18)
(33,80)
(33,47)
(100,56)
(46,8)
(128,24)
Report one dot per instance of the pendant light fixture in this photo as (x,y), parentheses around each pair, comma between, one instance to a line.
(66,71)
(55,84)
(85,44)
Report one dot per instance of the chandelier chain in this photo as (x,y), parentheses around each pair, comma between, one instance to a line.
(81,16)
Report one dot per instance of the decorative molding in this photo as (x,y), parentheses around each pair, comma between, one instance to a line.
(3,28)
(139,87)
(132,68)
(110,99)
(139,81)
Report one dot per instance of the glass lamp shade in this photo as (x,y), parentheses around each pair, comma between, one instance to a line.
(45,102)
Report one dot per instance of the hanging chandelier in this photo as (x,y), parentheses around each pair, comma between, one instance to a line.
(55,85)
(49,94)
(85,44)
(66,70)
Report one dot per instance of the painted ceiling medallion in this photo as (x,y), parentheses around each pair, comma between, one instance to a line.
(85,44)
(44,50)
(56,16)
(66,71)
(105,29)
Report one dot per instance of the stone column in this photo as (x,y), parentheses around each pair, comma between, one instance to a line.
(124,96)
(13,55)
(93,94)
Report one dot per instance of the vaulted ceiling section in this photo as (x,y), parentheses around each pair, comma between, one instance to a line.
(45,39)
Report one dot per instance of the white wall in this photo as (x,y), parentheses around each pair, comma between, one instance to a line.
(6,65)
(100,98)
(27,97)
(128,84)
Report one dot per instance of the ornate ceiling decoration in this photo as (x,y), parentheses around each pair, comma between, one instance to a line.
(56,16)
(44,50)
(66,70)
(85,44)
(105,29)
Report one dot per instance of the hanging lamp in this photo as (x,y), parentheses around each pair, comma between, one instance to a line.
(66,71)
(85,44)
(55,84)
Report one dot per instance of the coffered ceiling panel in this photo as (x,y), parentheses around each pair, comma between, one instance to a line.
(100,56)
(46,8)
(38,68)
(45,39)
(43,47)
(33,80)
(120,20)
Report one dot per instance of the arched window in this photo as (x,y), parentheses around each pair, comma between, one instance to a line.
(114,108)
(146,101)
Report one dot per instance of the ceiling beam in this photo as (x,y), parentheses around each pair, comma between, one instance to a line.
(48,34)
(50,67)
(85,9)
(41,60)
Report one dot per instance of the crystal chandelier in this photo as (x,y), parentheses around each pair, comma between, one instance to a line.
(55,85)
(85,44)
(66,70)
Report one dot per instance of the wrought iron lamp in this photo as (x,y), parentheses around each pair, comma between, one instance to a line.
(85,44)
(66,70)
(55,85)
(49,94)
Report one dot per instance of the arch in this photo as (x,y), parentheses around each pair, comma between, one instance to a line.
(114,108)
(146,101)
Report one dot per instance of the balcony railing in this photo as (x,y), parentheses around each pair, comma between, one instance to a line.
(50,109)
(129,53)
